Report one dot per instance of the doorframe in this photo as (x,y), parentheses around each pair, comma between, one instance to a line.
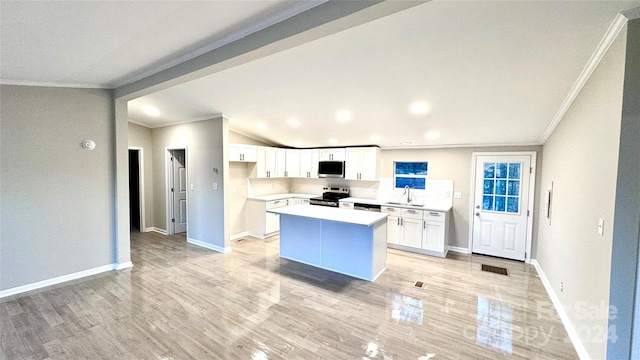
(167,181)
(532,199)
(140,151)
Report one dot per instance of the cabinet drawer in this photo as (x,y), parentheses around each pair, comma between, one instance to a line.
(390,210)
(275,204)
(434,216)
(412,214)
(346,205)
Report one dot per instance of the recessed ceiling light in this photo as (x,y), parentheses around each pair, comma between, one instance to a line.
(432,135)
(405,143)
(419,108)
(344,116)
(151,111)
(261,126)
(333,141)
(294,122)
(375,138)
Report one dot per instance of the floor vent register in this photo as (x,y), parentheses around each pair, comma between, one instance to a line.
(495,269)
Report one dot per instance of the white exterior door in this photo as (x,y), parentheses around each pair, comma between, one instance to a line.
(501,203)
(179,190)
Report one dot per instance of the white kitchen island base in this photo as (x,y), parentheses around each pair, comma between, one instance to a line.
(349,242)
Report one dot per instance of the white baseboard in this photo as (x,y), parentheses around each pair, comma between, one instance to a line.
(58,280)
(155,229)
(239,235)
(459,249)
(571,330)
(209,246)
(125,265)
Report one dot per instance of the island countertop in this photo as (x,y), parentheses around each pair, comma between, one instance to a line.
(366,218)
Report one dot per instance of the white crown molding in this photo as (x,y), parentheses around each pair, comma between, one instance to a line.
(606,42)
(571,330)
(445,146)
(293,10)
(52,84)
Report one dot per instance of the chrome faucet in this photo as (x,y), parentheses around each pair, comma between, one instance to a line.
(407,190)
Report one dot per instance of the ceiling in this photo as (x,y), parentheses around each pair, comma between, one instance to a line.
(490,73)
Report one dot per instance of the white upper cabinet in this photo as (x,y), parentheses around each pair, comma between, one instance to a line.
(336,154)
(362,163)
(243,153)
(309,163)
(266,164)
(281,162)
(292,167)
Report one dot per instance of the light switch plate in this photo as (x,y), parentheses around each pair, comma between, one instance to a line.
(600,226)
(191,187)
(457,195)
(215,186)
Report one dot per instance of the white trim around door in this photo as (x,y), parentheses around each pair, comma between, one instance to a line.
(531,197)
(140,151)
(168,180)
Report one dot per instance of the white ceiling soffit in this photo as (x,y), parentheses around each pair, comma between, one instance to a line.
(491,73)
(111,43)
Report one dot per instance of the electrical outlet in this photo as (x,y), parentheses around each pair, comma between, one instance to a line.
(561,286)
(600,227)
(215,186)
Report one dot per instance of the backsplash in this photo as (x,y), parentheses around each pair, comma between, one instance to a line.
(438,192)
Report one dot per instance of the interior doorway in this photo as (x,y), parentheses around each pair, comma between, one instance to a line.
(136,190)
(176,191)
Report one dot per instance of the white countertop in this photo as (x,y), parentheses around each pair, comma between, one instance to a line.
(366,218)
(281,196)
(428,207)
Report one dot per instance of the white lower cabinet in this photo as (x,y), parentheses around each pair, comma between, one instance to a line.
(420,231)
(263,224)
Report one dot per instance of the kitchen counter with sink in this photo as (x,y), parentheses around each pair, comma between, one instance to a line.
(430,207)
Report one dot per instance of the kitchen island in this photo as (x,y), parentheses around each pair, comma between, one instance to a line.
(345,241)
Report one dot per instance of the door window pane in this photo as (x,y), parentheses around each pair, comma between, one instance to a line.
(501,187)
(514,171)
(488,187)
(487,203)
(501,170)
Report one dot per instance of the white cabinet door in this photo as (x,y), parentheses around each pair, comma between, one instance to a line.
(393,230)
(266,162)
(333,154)
(281,163)
(292,168)
(362,163)
(433,236)
(272,223)
(294,201)
(353,164)
(411,232)
(309,163)
(243,153)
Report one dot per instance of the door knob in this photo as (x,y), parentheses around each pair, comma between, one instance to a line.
(477,214)
(477,206)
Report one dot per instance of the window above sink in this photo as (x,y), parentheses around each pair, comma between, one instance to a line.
(412,174)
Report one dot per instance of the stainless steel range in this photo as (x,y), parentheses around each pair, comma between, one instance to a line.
(330,197)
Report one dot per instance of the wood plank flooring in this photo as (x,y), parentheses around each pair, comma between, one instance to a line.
(181,301)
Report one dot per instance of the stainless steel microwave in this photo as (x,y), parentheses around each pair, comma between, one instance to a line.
(334,169)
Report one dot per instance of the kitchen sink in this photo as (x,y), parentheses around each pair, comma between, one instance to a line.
(404,204)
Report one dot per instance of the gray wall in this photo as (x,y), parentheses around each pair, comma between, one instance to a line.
(207,148)
(455,164)
(140,136)
(626,232)
(581,159)
(57,198)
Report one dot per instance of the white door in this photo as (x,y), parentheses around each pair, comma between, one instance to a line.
(501,204)
(179,190)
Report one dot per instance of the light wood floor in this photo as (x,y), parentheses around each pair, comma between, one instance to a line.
(184,302)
